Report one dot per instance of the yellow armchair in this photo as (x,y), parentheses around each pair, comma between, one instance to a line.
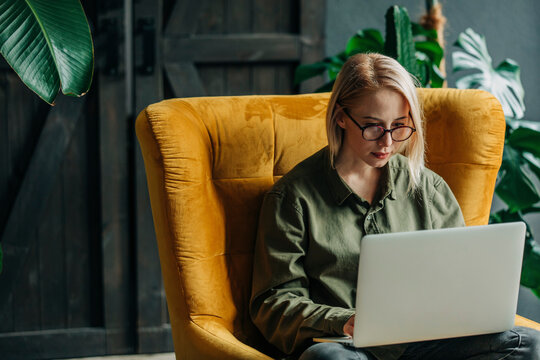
(209,162)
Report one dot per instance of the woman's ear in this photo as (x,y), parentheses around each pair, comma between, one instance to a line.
(340,118)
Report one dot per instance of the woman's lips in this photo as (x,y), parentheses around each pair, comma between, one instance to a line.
(380,155)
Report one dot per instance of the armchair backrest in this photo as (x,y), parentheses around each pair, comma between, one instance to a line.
(209,162)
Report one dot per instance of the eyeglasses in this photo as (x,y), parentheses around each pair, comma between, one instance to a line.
(375,132)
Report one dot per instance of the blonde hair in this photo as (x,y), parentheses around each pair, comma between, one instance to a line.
(361,75)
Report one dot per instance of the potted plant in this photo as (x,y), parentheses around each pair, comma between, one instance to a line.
(521,157)
(411,44)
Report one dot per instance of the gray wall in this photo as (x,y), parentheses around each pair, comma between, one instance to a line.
(511,29)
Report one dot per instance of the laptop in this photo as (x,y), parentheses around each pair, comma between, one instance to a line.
(435,284)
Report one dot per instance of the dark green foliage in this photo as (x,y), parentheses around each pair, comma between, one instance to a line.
(521,157)
(530,271)
(421,57)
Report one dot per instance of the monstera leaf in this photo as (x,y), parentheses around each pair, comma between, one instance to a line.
(515,187)
(520,165)
(503,82)
(48,44)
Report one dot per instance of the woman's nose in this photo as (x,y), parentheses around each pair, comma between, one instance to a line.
(386,140)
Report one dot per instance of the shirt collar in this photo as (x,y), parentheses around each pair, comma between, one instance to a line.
(341,191)
(388,180)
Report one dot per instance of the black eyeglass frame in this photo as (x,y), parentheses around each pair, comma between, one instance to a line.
(363,128)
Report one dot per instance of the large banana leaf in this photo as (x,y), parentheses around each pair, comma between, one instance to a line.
(503,82)
(48,44)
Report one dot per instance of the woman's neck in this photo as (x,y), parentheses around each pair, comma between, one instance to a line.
(347,163)
(361,178)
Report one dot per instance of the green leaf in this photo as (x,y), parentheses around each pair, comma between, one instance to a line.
(525,139)
(373,34)
(508,88)
(304,72)
(503,82)
(530,271)
(515,187)
(514,123)
(430,75)
(532,209)
(504,215)
(432,49)
(399,39)
(424,63)
(335,64)
(369,40)
(419,30)
(437,78)
(533,163)
(48,44)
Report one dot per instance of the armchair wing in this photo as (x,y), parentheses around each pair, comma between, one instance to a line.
(209,162)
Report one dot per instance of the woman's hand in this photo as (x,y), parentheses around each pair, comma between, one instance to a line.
(348,328)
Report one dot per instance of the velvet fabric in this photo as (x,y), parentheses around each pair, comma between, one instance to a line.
(209,162)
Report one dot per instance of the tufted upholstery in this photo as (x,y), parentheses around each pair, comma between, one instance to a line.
(209,162)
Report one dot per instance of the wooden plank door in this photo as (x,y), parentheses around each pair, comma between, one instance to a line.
(240,47)
(153,328)
(116,203)
(67,289)
(46,288)
(82,273)
(204,48)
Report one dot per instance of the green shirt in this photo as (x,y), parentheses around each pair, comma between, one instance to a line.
(308,244)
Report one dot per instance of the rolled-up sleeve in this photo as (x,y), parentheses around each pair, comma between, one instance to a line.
(280,303)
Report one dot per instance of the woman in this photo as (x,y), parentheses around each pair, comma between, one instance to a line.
(370,179)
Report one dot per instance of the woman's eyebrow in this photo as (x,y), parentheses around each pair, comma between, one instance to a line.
(375,118)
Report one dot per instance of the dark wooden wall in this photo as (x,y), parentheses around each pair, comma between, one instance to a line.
(247,17)
(55,289)
(82,273)
(50,220)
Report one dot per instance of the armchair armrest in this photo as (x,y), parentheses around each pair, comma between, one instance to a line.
(521,321)
(210,339)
